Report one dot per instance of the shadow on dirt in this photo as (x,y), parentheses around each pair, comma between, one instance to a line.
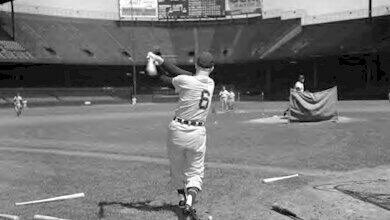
(363,190)
(141,206)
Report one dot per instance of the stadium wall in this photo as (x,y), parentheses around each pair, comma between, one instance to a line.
(310,11)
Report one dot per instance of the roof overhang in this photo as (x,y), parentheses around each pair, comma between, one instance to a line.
(5,1)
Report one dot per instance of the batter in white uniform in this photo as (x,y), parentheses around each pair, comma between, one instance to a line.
(187,133)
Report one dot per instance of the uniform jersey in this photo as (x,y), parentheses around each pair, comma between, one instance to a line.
(195,95)
(299,86)
(231,96)
(18,100)
(224,94)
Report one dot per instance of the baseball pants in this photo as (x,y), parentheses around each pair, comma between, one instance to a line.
(186,152)
(224,104)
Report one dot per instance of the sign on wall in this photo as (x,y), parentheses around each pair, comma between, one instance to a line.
(137,9)
(171,9)
(237,7)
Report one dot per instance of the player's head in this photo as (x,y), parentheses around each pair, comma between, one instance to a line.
(301,78)
(223,88)
(205,63)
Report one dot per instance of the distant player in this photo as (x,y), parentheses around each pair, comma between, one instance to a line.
(18,104)
(298,86)
(231,99)
(223,96)
(187,133)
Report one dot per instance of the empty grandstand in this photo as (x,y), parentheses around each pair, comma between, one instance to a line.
(258,49)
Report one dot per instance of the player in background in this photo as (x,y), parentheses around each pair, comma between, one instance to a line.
(231,99)
(186,142)
(298,86)
(223,95)
(18,104)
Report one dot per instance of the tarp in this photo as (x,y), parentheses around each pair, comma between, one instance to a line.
(318,106)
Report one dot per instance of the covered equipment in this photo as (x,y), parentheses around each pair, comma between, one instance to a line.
(310,107)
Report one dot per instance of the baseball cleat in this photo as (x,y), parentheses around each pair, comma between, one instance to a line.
(191,212)
(182,203)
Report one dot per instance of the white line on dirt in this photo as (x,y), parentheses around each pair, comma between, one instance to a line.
(163,161)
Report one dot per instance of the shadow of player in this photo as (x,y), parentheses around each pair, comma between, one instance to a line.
(143,206)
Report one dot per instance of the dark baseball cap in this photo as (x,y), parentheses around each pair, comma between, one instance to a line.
(205,60)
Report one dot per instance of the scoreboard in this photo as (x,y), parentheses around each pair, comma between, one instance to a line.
(172,9)
(182,9)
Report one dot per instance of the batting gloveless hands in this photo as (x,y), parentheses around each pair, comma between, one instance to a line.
(157,60)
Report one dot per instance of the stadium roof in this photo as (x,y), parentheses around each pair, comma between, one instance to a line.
(5,1)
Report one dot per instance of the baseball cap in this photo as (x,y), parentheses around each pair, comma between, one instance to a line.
(205,60)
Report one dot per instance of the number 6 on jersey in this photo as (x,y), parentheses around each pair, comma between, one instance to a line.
(204,99)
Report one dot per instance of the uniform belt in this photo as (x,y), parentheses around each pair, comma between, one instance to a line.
(188,122)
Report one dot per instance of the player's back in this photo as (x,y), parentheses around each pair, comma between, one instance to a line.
(195,96)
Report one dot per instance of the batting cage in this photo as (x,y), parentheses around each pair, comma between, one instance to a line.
(310,107)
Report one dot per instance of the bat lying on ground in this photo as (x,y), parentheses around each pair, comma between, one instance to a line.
(9,217)
(269,180)
(59,198)
(45,217)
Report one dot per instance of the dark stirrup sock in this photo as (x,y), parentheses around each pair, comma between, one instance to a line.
(182,195)
(181,191)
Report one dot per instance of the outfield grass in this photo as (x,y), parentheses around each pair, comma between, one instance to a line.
(92,149)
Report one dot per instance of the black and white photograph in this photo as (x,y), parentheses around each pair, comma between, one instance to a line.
(195,110)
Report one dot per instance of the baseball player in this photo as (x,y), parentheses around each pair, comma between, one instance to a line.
(223,96)
(231,99)
(18,104)
(299,86)
(187,133)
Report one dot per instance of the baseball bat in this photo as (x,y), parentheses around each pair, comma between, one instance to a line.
(72,196)
(273,179)
(9,217)
(45,217)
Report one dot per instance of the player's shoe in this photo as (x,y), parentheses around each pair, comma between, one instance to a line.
(183,198)
(182,203)
(190,212)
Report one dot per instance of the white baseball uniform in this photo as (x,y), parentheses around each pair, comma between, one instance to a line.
(223,95)
(299,86)
(230,100)
(187,143)
(18,104)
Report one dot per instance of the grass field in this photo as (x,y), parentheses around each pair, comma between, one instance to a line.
(116,155)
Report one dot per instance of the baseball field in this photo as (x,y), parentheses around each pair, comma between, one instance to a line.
(116,155)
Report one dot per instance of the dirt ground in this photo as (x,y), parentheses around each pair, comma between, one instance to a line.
(116,155)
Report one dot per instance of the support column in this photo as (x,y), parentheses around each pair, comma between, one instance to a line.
(315,75)
(134,81)
(268,80)
(13,20)
(370,9)
(67,78)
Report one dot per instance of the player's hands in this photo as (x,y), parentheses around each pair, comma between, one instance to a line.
(157,60)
